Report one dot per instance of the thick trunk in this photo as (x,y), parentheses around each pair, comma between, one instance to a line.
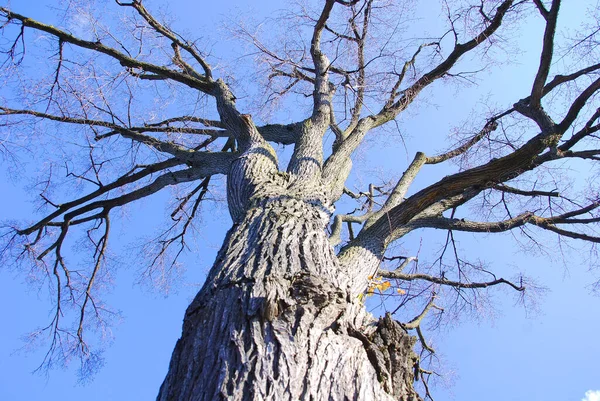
(272,321)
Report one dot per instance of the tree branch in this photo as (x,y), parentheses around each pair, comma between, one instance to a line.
(539,82)
(488,128)
(335,164)
(444,281)
(517,191)
(399,191)
(204,85)
(177,42)
(416,321)
(129,133)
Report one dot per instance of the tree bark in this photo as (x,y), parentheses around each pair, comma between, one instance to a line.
(274,321)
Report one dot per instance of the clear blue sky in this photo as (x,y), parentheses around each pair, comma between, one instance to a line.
(549,355)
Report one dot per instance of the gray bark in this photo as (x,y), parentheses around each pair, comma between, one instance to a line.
(274,320)
(280,315)
(278,318)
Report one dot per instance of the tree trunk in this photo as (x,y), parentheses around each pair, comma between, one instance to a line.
(274,322)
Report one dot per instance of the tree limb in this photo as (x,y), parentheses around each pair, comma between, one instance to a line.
(444,281)
(204,85)
(551,16)
(334,164)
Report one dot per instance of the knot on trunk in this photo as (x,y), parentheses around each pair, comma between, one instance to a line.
(390,350)
(309,288)
(303,289)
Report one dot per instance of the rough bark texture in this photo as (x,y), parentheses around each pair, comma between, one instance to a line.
(280,315)
(273,322)
(275,319)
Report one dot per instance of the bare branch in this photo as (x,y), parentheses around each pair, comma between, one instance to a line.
(101,252)
(177,42)
(416,321)
(551,17)
(394,92)
(489,127)
(444,281)
(517,191)
(588,129)
(423,341)
(336,162)
(561,79)
(578,104)
(408,95)
(547,223)
(399,191)
(78,207)
(126,61)
(128,178)
(133,133)
(541,8)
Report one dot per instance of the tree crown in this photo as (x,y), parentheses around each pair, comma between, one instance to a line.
(128,110)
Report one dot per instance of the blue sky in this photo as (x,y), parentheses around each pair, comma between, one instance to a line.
(552,354)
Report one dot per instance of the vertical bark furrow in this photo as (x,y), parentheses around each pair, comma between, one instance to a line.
(272,321)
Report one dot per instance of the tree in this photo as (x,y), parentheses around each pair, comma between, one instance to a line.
(282,313)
